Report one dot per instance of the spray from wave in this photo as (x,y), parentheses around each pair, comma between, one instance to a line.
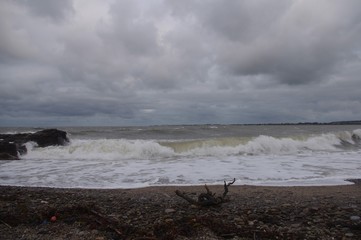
(113,149)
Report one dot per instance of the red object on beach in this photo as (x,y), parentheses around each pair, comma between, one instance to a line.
(53,219)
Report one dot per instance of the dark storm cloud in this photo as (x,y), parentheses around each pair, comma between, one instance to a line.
(171,62)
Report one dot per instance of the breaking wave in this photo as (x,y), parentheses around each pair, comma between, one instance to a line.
(113,149)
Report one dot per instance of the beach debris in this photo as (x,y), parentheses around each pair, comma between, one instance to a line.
(53,219)
(106,221)
(5,223)
(207,199)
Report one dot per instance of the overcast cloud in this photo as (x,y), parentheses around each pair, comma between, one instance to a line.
(132,62)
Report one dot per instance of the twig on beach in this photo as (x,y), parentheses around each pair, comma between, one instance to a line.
(226,185)
(107,221)
(208,198)
(5,223)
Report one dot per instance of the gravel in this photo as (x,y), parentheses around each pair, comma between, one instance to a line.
(329,212)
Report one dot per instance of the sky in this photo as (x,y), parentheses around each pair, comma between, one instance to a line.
(154,62)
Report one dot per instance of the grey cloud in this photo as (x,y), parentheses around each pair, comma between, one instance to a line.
(51,9)
(168,62)
(130,32)
(296,42)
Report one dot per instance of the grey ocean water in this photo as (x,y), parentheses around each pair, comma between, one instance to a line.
(127,157)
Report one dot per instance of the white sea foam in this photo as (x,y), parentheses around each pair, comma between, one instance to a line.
(321,159)
(113,149)
(102,149)
(311,169)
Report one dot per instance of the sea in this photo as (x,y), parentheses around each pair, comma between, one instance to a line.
(133,157)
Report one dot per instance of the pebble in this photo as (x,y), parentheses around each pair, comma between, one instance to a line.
(235,219)
(169,210)
(349,234)
(286,205)
(295,225)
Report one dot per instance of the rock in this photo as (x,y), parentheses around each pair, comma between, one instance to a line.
(19,138)
(356,138)
(9,151)
(314,209)
(44,138)
(355,218)
(286,205)
(6,156)
(13,145)
(169,210)
(251,223)
(49,137)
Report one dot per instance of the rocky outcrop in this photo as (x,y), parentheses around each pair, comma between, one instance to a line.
(9,151)
(13,145)
(49,137)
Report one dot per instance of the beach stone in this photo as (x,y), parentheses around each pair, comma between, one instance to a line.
(251,223)
(286,205)
(295,225)
(169,210)
(238,219)
(355,218)
(253,216)
(314,209)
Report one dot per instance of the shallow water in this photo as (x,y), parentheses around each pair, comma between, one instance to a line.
(120,157)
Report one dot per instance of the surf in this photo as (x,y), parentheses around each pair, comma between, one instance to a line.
(113,149)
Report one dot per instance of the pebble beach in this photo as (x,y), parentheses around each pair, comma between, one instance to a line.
(251,212)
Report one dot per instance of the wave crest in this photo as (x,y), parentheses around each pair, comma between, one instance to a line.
(113,149)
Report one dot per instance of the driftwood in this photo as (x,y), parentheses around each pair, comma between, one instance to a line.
(208,198)
(107,221)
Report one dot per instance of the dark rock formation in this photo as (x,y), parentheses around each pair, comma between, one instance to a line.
(8,151)
(12,145)
(356,138)
(49,137)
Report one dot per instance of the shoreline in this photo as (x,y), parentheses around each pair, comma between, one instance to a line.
(344,182)
(264,212)
(166,186)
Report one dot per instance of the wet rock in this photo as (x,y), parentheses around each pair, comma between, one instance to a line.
(43,138)
(13,145)
(9,151)
(49,137)
(6,156)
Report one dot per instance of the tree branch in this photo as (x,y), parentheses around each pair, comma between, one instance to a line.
(208,198)
(226,187)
